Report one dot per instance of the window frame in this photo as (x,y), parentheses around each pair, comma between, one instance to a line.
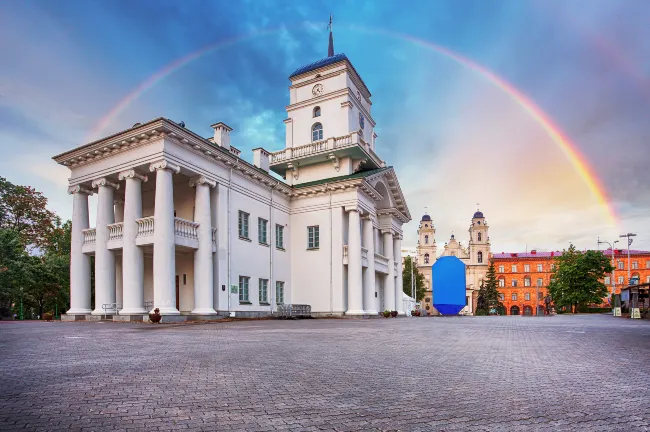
(244,291)
(528,281)
(635,265)
(540,267)
(514,283)
(263,288)
(243,224)
(262,228)
(279,292)
(314,129)
(526,296)
(279,236)
(313,237)
(513,269)
(540,282)
(501,282)
(479,257)
(316,112)
(501,269)
(513,297)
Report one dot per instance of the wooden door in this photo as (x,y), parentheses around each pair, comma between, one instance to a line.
(177,294)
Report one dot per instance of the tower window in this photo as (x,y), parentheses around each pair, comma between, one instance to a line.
(479,257)
(426,239)
(317,112)
(426,258)
(317,132)
(479,236)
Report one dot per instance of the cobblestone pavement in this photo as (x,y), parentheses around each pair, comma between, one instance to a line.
(458,373)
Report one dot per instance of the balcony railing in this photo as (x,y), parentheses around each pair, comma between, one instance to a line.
(115,231)
(186,228)
(145,226)
(90,236)
(349,140)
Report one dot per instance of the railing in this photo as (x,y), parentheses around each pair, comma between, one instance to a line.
(185,228)
(343,141)
(381,259)
(364,253)
(214,235)
(148,305)
(145,226)
(111,308)
(311,148)
(115,231)
(349,140)
(90,235)
(278,156)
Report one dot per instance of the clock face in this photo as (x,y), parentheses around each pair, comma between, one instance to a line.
(317,90)
(362,121)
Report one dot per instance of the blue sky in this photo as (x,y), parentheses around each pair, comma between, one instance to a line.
(453,137)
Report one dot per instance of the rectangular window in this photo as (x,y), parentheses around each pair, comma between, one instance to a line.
(526,268)
(264,291)
(279,236)
(502,297)
(514,282)
(647,279)
(527,281)
(621,280)
(243,224)
(527,296)
(608,280)
(279,292)
(540,267)
(243,289)
(502,282)
(514,268)
(540,282)
(501,268)
(313,241)
(552,267)
(514,297)
(635,265)
(540,296)
(261,230)
(647,264)
(621,265)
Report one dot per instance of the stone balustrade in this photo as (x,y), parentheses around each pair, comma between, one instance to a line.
(145,226)
(90,235)
(352,139)
(115,231)
(186,228)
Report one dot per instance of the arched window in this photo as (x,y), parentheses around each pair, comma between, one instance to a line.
(479,236)
(426,239)
(479,256)
(426,258)
(317,112)
(317,132)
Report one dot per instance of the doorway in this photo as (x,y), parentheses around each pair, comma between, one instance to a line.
(177,292)
(514,310)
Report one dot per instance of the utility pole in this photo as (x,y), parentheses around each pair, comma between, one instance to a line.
(629,242)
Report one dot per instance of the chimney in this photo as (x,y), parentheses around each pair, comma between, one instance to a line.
(261,159)
(222,135)
(533,252)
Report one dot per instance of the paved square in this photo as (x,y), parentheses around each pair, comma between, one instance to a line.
(461,373)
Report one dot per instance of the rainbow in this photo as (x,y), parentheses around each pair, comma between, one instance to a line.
(569,149)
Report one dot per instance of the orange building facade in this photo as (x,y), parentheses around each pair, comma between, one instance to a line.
(523,278)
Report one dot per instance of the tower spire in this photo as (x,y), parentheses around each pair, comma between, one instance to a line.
(330,47)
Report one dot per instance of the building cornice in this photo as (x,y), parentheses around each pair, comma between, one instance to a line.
(393,188)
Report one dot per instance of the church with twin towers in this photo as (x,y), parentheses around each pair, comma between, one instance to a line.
(187,225)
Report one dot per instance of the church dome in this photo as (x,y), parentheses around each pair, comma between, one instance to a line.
(478,214)
(426,217)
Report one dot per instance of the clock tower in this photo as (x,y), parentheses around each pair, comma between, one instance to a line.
(329,125)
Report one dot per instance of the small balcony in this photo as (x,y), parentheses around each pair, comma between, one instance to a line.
(348,145)
(381,262)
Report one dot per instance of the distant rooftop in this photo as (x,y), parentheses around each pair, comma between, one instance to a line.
(319,64)
(535,254)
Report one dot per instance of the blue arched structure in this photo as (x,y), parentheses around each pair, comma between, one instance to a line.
(448,284)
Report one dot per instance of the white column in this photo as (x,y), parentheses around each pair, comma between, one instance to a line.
(104,258)
(389,286)
(132,255)
(164,247)
(397,254)
(203,265)
(79,262)
(355,282)
(369,275)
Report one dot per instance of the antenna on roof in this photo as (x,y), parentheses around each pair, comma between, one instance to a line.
(330,47)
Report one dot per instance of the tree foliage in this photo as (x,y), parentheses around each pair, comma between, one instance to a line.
(419,279)
(488,294)
(576,280)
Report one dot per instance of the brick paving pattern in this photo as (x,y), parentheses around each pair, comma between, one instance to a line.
(449,374)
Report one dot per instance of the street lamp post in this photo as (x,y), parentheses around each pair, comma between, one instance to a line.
(629,242)
(21,303)
(611,247)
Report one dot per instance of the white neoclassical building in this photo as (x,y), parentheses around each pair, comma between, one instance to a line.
(184,224)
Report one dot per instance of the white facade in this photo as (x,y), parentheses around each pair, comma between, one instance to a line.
(187,226)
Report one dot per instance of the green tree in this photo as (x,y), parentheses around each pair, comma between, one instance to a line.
(419,279)
(576,280)
(12,257)
(488,294)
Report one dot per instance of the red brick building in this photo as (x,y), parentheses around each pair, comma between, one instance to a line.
(523,278)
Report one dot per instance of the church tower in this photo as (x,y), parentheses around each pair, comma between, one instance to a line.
(479,241)
(426,242)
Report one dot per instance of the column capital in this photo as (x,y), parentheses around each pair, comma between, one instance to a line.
(352,208)
(79,189)
(388,231)
(202,180)
(164,165)
(129,174)
(118,200)
(104,182)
